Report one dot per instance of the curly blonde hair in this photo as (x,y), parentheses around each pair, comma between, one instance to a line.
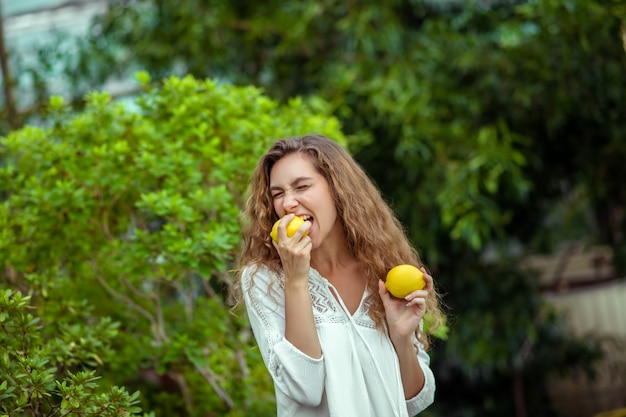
(378,247)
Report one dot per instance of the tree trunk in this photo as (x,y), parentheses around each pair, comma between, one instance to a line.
(8,80)
(518,394)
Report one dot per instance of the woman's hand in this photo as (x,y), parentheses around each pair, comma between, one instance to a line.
(295,256)
(403,318)
(405,314)
(295,251)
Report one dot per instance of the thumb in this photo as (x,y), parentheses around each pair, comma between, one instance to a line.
(382,289)
(385,296)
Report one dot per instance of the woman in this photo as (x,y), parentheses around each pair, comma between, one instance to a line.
(335,342)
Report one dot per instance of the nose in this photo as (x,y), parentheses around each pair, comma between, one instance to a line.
(289,202)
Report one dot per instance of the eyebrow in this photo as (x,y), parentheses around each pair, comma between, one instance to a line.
(293,183)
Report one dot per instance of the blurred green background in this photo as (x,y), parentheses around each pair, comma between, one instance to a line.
(495,129)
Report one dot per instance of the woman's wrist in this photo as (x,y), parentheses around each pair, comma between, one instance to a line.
(296,284)
(403,344)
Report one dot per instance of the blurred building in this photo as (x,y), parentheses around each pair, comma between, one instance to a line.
(31,26)
(30,22)
(581,282)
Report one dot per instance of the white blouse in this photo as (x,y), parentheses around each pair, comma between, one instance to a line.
(358,374)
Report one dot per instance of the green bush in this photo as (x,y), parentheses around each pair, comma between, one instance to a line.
(36,372)
(122,223)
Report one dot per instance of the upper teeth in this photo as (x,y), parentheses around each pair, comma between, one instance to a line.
(305,217)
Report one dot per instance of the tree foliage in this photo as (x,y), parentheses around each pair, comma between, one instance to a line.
(477,105)
(122,222)
(50,368)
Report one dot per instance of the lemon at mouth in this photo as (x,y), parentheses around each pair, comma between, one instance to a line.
(292,228)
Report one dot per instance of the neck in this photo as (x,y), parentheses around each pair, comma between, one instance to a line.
(332,255)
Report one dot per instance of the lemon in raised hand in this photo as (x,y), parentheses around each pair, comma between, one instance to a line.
(402,280)
(292,228)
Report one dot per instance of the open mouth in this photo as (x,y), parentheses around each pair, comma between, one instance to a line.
(306,218)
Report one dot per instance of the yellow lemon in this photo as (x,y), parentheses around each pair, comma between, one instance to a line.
(292,228)
(402,280)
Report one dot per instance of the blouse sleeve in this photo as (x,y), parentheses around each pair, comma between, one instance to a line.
(297,375)
(426,396)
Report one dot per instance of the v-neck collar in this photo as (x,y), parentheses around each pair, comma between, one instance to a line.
(336,297)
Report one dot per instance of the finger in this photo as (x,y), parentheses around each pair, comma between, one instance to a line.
(282,226)
(301,231)
(382,289)
(416,302)
(417,294)
(303,244)
(428,279)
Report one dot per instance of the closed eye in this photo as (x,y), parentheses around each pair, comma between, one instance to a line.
(277,195)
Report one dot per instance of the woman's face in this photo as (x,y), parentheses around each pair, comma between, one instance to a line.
(296,187)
